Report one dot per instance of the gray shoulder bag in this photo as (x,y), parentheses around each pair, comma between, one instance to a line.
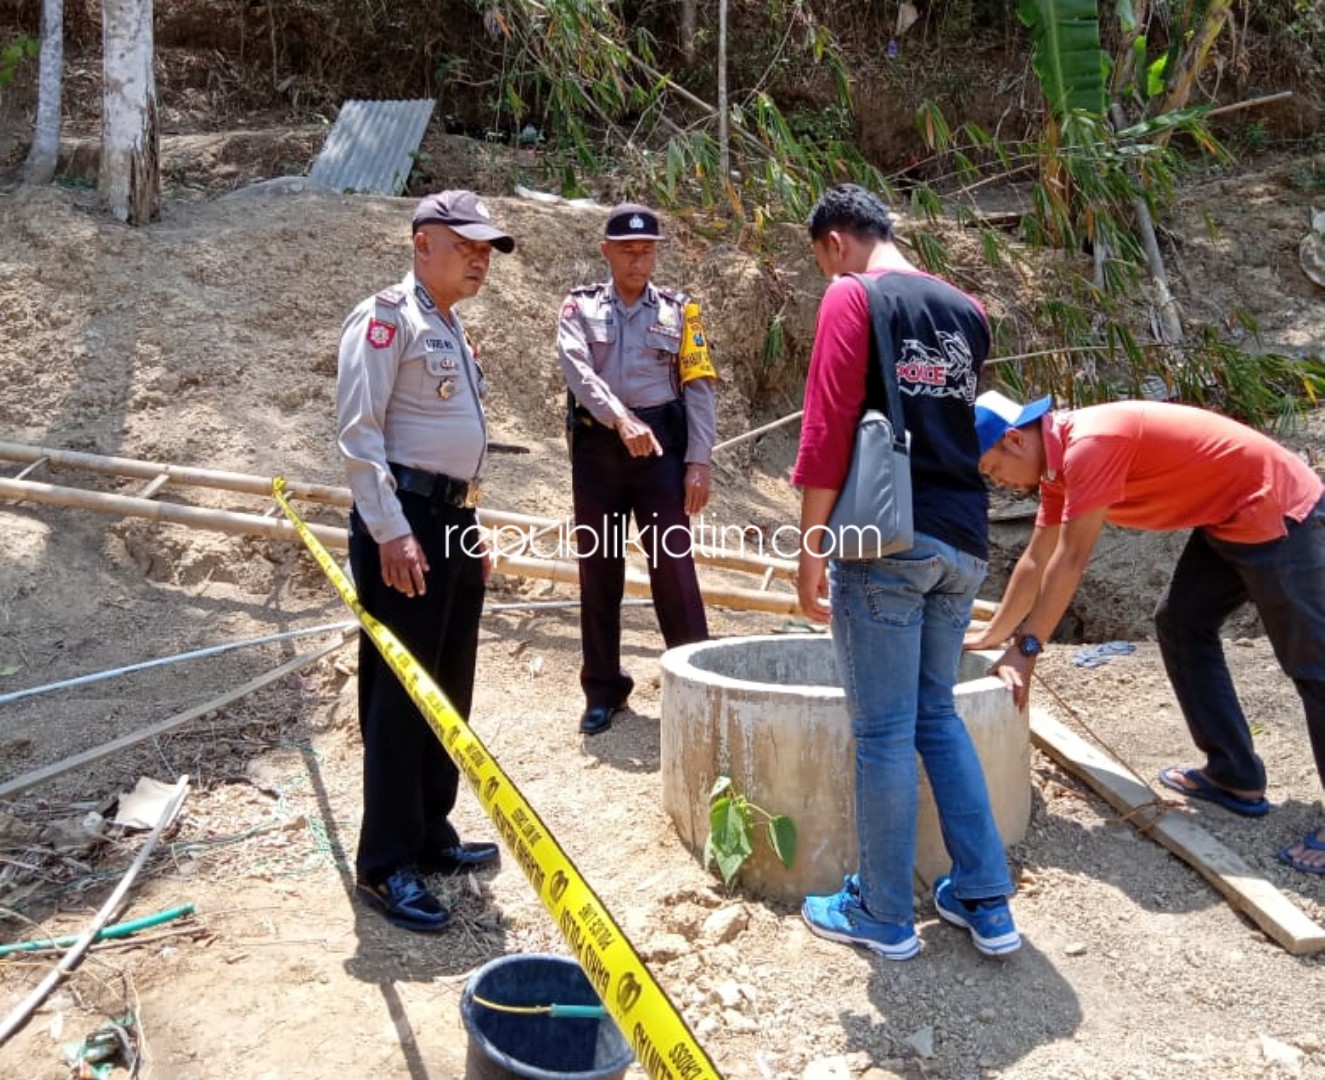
(872,515)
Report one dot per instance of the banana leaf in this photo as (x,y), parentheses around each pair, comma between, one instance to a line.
(1071,66)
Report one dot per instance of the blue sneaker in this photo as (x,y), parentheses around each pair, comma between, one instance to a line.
(842,917)
(989,921)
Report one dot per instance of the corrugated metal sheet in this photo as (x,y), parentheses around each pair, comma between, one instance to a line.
(369,147)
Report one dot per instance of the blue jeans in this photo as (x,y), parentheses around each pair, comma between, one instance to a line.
(897,627)
(1285,579)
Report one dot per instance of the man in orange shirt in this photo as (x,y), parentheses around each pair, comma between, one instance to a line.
(1258,534)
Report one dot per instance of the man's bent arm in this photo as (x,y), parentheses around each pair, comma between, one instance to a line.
(1065,569)
(1023,589)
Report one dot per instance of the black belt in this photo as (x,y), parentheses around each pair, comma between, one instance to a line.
(435,487)
(578,414)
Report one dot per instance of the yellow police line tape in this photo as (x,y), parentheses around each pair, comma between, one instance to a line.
(661,1040)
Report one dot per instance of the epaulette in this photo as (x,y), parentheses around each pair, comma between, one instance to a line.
(392,297)
(674,295)
(585,290)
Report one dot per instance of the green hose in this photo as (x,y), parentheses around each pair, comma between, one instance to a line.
(118,930)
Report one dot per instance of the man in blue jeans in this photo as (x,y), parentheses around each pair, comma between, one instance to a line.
(898,621)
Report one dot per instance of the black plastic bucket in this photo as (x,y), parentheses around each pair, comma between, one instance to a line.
(505,1044)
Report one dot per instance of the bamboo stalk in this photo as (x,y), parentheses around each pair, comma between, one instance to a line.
(756,432)
(16,1019)
(567,572)
(563,570)
(96,753)
(149,470)
(200,517)
(249,484)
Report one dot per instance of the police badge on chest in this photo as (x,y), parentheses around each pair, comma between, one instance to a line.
(442,360)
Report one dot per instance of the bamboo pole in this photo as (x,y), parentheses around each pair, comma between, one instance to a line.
(249,484)
(150,470)
(561,570)
(37,776)
(199,517)
(756,432)
(16,1019)
(567,572)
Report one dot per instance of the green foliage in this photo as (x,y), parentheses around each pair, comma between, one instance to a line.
(1253,136)
(1071,66)
(731,836)
(13,55)
(575,68)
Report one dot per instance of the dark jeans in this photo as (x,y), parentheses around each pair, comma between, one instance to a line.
(409,781)
(1285,579)
(609,485)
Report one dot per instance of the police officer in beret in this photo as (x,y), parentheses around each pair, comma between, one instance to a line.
(642,424)
(409,402)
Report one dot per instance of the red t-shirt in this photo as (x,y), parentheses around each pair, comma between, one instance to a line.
(1162,467)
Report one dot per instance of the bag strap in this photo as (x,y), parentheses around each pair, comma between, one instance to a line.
(878,335)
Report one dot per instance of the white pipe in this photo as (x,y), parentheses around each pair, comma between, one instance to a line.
(211,650)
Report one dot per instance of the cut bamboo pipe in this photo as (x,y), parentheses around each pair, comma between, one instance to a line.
(226,521)
(249,484)
(150,470)
(199,517)
(637,584)
(235,523)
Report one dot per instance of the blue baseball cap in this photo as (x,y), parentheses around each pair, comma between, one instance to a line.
(996,415)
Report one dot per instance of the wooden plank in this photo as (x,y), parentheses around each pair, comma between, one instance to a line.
(46,772)
(1248,891)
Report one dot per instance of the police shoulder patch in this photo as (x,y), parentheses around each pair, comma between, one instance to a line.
(392,297)
(380,334)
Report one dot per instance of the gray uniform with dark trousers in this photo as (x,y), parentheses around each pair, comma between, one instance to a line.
(617,359)
(414,438)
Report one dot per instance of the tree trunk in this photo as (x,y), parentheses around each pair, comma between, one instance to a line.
(130,182)
(689,24)
(39,168)
(724,146)
(1170,316)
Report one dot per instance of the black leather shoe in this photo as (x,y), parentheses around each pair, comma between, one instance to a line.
(458,857)
(405,901)
(598,719)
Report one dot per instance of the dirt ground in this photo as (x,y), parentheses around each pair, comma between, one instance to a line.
(209,340)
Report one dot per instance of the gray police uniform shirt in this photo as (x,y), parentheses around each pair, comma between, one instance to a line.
(408,391)
(617,359)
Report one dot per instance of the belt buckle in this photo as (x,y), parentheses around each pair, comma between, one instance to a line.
(472,495)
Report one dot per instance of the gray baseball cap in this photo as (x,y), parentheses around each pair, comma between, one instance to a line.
(464,212)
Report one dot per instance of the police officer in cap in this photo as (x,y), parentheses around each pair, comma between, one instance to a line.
(409,402)
(642,424)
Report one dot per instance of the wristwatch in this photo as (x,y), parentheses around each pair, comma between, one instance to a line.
(1029,645)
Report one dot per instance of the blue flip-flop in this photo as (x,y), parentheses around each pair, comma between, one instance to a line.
(1311,844)
(1209,792)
